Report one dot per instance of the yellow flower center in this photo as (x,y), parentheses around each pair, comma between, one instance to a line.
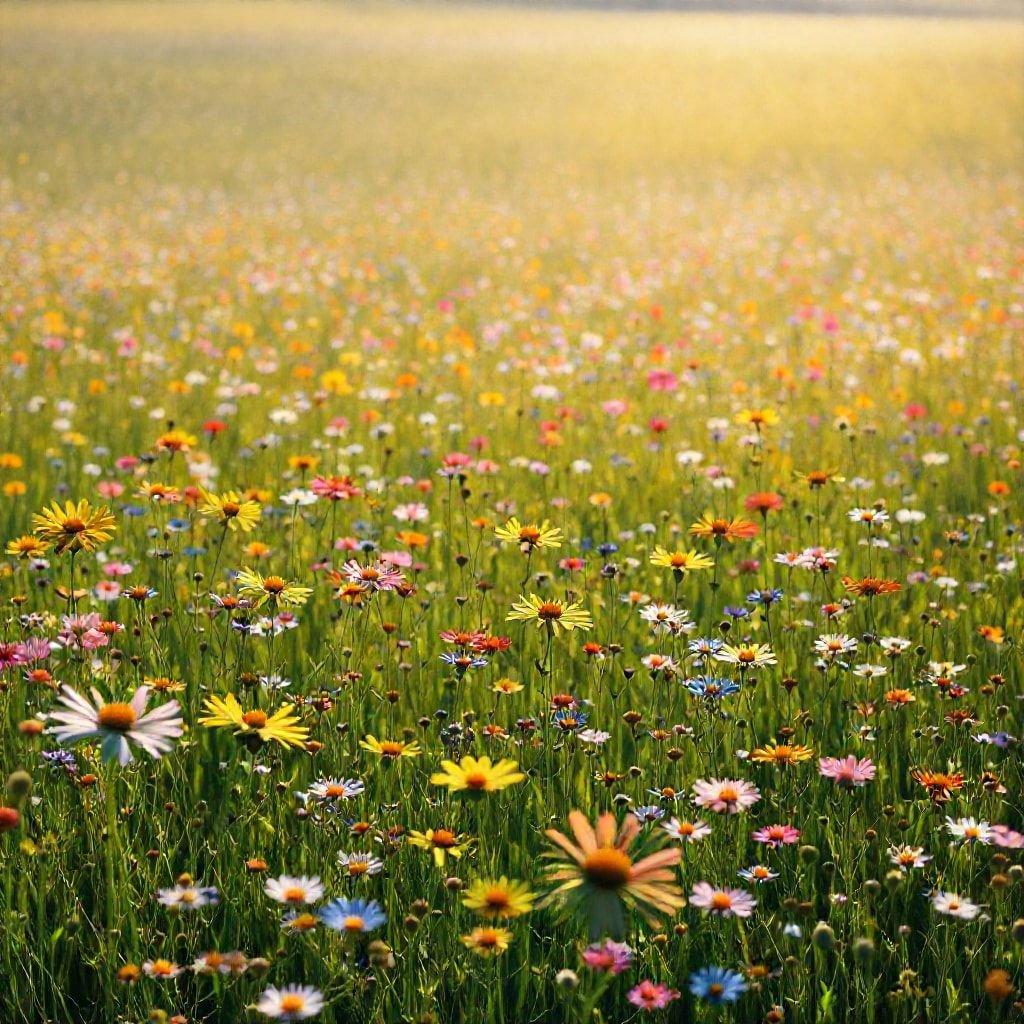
(607,868)
(292,1003)
(119,717)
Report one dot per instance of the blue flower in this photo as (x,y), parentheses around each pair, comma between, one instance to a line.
(704,647)
(766,598)
(717,985)
(712,688)
(569,720)
(352,916)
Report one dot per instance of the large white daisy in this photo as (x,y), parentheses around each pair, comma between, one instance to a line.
(115,723)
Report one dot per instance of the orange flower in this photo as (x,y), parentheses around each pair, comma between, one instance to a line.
(940,785)
(763,502)
(708,527)
(870,586)
(597,871)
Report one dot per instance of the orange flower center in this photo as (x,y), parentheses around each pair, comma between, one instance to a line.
(549,610)
(443,838)
(721,901)
(274,584)
(389,748)
(255,719)
(294,895)
(120,717)
(292,1003)
(73,526)
(230,508)
(353,923)
(728,795)
(487,937)
(496,899)
(607,868)
(476,780)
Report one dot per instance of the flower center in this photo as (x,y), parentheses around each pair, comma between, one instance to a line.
(496,899)
(274,584)
(354,923)
(255,719)
(549,610)
(292,1003)
(608,868)
(715,989)
(721,901)
(119,717)
(476,780)
(389,748)
(73,526)
(443,838)
(487,937)
(230,509)
(728,795)
(294,895)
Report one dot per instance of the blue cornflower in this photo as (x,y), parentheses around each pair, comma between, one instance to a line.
(765,598)
(711,687)
(736,611)
(354,917)
(704,647)
(717,985)
(569,719)
(60,759)
(461,661)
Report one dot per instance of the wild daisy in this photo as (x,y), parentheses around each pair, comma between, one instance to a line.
(117,724)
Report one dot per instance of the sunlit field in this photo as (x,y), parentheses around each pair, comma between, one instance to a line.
(509,516)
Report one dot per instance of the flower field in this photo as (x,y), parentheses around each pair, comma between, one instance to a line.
(509,516)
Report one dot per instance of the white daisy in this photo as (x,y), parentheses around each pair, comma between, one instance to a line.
(293,1002)
(116,723)
(294,890)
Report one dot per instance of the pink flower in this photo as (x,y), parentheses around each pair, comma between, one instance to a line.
(649,995)
(722,902)
(110,489)
(662,380)
(608,957)
(1006,837)
(847,771)
(725,796)
(776,835)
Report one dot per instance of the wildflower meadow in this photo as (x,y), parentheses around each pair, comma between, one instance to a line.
(509,516)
